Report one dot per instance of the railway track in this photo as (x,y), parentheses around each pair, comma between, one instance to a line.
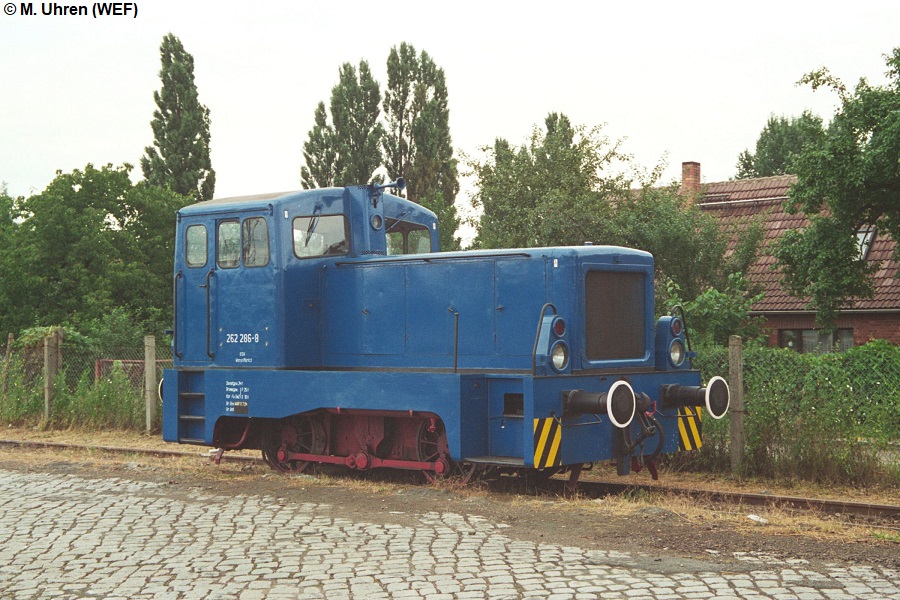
(593,489)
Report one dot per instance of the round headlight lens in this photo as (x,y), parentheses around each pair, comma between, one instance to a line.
(559,354)
(377,222)
(676,353)
(677,326)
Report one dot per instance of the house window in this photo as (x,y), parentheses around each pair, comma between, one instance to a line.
(864,238)
(816,340)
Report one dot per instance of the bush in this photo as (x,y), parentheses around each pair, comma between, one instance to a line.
(824,418)
(112,402)
(21,400)
(92,390)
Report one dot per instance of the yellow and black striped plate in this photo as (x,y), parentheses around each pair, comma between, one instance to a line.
(690,427)
(547,438)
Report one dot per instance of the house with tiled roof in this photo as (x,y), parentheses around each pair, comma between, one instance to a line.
(791,323)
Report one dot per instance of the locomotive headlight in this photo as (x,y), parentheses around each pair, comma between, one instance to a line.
(676,353)
(559,327)
(559,356)
(677,326)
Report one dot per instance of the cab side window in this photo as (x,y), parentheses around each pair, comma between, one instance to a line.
(255,242)
(228,245)
(195,246)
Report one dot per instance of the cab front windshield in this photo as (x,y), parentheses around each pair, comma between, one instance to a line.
(407,238)
(316,235)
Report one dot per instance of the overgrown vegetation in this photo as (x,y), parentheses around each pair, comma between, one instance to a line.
(93,390)
(828,418)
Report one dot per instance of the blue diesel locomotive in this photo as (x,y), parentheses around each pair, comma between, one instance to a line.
(323,326)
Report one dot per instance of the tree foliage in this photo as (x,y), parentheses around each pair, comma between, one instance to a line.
(347,151)
(690,247)
(417,142)
(179,157)
(412,140)
(90,243)
(319,153)
(716,314)
(561,189)
(550,191)
(779,143)
(850,180)
(7,230)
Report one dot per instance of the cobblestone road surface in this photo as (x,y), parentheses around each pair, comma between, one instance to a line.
(63,536)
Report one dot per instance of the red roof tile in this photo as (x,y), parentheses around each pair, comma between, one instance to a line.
(739,203)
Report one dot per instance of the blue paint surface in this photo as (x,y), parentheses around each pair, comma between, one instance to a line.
(464,336)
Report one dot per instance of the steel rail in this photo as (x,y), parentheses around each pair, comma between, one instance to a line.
(856,509)
(591,489)
(120,450)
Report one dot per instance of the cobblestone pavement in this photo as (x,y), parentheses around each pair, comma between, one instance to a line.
(63,536)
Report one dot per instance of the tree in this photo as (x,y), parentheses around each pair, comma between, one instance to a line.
(320,154)
(8,228)
(558,190)
(779,143)
(179,157)
(89,243)
(688,245)
(714,315)
(348,151)
(850,180)
(550,191)
(417,142)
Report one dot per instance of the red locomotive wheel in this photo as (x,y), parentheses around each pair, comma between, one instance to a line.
(299,434)
(432,447)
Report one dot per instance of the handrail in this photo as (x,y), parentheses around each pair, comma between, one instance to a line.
(537,336)
(430,258)
(208,286)
(178,276)
(455,339)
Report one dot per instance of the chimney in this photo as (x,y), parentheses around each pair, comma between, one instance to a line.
(690,178)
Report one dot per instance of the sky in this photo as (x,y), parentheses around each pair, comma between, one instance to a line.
(679,81)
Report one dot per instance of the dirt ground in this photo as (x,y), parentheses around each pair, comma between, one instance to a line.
(653,527)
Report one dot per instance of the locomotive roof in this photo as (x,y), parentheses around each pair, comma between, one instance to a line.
(397,207)
(611,254)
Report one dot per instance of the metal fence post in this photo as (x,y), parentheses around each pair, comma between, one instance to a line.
(150,379)
(736,385)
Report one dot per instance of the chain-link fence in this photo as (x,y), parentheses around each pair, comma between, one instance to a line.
(85,387)
(827,417)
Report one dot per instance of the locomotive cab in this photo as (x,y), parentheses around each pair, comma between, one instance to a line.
(247,267)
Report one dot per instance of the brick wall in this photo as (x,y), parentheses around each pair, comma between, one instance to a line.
(883,326)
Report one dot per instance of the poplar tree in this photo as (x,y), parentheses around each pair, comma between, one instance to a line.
(347,151)
(417,143)
(179,157)
(319,153)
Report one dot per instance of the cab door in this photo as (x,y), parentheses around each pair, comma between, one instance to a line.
(242,292)
(194,268)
